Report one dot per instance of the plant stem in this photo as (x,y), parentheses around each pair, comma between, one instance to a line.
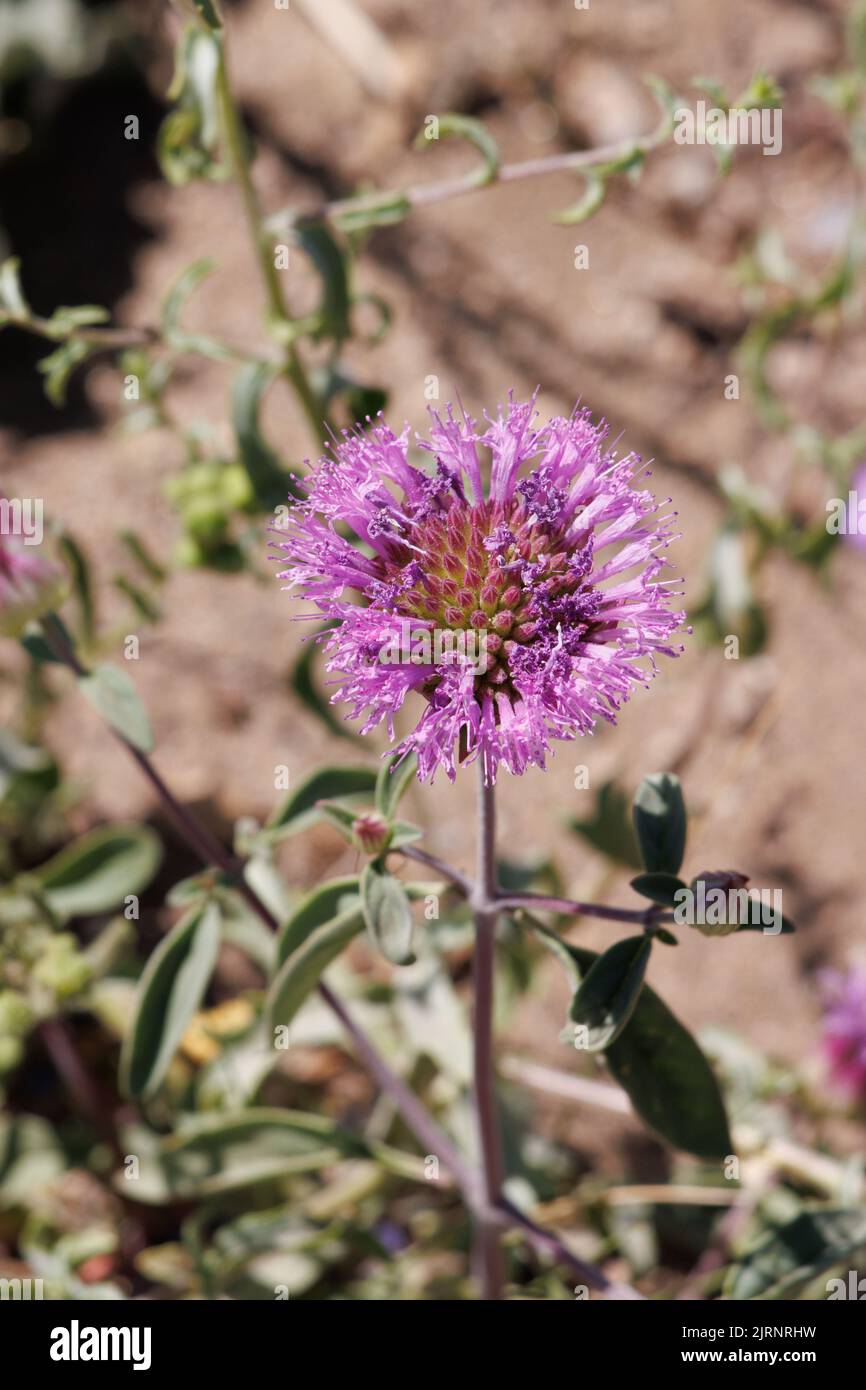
(539,902)
(461,882)
(487,1252)
(644,916)
(278,315)
(426,194)
(211,851)
(77,1080)
(493,1216)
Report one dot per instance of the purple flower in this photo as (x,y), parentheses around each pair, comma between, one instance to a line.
(844,1030)
(552,567)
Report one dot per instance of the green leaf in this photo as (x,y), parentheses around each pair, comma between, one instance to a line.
(67,317)
(460,127)
(36,647)
(606,999)
(82,584)
(209,12)
(142,604)
(59,365)
(387,914)
(660,822)
(17,758)
(378,210)
(658,1064)
(314,910)
(395,774)
(169,993)
(300,809)
(591,200)
(659,888)
(403,832)
(142,556)
(174,304)
(96,872)
(667,100)
(662,934)
(113,694)
(340,818)
(13,305)
(216,1154)
(332,315)
(188,144)
(608,830)
(364,403)
(301,972)
(270,482)
(797,1253)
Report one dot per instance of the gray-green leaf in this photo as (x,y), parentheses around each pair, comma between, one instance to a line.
(387,914)
(97,871)
(302,970)
(797,1253)
(300,809)
(169,993)
(314,910)
(113,694)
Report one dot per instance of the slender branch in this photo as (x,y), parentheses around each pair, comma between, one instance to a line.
(110,338)
(107,338)
(426,194)
(461,882)
(411,1108)
(539,902)
(551,1244)
(77,1080)
(487,1251)
(280,320)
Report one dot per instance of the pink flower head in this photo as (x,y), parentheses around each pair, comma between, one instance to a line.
(546,579)
(844,1030)
(29,585)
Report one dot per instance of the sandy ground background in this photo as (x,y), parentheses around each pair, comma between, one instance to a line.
(485,295)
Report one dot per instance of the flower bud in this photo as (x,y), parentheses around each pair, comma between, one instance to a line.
(372,832)
(29,585)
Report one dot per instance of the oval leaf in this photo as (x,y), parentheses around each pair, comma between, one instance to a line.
(314,911)
(609,992)
(113,694)
(387,914)
(302,970)
(96,872)
(660,823)
(658,1064)
(169,993)
(300,808)
(214,1154)
(659,888)
(394,777)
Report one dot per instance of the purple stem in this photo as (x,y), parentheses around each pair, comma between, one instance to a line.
(482,1194)
(487,1251)
(538,902)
